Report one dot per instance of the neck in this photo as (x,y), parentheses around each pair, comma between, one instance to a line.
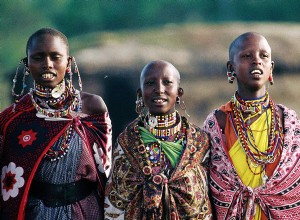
(251,95)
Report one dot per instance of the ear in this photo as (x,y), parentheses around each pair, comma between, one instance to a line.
(180,92)
(229,66)
(25,61)
(273,65)
(70,58)
(139,93)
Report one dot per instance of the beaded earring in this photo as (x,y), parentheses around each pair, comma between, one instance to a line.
(139,105)
(231,76)
(76,71)
(271,80)
(26,73)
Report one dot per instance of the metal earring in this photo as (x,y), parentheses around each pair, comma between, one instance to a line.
(182,105)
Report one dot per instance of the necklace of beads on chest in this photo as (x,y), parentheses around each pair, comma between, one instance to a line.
(57,102)
(164,132)
(59,150)
(245,134)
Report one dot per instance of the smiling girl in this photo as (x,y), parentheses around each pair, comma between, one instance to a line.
(158,170)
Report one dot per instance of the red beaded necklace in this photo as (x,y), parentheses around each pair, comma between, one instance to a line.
(245,134)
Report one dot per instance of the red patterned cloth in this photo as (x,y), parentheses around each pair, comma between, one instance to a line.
(279,198)
(25,141)
(136,191)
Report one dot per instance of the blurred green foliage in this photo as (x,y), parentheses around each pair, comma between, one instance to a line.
(20,18)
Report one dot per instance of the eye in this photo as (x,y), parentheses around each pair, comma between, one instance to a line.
(246,55)
(148,83)
(36,57)
(56,56)
(265,55)
(168,82)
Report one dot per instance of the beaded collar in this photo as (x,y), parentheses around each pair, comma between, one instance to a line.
(55,107)
(163,126)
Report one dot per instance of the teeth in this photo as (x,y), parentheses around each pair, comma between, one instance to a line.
(256,72)
(159,100)
(47,76)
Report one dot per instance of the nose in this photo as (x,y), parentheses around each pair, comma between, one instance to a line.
(257,59)
(47,64)
(159,88)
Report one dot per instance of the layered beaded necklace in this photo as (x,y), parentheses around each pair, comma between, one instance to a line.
(162,128)
(245,135)
(54,104)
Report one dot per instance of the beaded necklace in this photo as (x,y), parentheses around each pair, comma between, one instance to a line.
(49,92)
(163,126)
(56,103)
(54,107)
(254,156)
(59,151)
(154,151)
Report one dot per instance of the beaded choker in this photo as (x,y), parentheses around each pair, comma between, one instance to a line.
(57,107)
(245,134)
(49,92)
(163,126)
(251,107)
(162,121)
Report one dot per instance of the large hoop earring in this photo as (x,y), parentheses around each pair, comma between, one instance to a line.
(139,106)
(26,73)
(182,105)
(76,71)
(231,76)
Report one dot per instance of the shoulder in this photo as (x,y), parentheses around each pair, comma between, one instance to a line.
(221,118)
(286,114)
(92,104)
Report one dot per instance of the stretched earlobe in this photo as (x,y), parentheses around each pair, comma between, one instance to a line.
(180,91)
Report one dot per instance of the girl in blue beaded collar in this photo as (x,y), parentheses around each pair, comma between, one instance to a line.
(158,170)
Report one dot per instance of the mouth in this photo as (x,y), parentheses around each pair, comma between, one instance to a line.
(159,100)
(256,72)
(48,75)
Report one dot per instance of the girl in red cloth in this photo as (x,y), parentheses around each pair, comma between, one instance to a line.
(56,140)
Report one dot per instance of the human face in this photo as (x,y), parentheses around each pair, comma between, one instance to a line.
(253,65)
(159,88)
(47,60)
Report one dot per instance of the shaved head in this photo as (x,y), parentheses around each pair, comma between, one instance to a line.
(238,42)
(159,64)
